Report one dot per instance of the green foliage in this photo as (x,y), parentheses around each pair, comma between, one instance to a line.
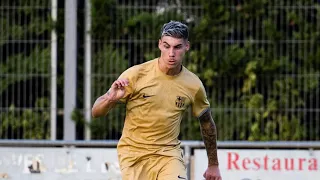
(24,59)
(19,123)
(147,25)
(31,23)
(109,127)
(257,59)
(104,18)
(39,55)
(108,63)
(263,84)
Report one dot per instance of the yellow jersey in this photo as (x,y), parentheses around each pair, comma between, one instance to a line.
(155,103)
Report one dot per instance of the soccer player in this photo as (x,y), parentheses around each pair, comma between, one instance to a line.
(156,94)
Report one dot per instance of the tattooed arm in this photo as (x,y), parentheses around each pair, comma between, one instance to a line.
(209,135)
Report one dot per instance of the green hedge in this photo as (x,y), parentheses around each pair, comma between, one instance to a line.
(259,61)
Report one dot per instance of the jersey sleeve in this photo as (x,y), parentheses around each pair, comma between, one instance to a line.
(201,103)
(130,74)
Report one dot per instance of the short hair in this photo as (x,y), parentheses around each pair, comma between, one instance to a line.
(175,29)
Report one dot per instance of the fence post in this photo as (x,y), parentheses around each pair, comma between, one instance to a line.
(54,56)
(87,65)
(70,66)
(187,158)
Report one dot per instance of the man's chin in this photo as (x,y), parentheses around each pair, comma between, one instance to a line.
(172,66)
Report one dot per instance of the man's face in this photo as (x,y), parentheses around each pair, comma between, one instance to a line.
(172,50)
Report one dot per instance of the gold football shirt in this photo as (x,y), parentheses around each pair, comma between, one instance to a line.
(155,103)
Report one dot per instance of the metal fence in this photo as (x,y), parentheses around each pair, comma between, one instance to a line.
(254,107)
(289,87)
(25,69)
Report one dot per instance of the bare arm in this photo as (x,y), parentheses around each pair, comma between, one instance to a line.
(209,135)
(107,101)
(102,106)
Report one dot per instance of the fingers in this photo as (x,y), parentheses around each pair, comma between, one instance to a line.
(217,178)
(212,173)
(120,83)
(211,177)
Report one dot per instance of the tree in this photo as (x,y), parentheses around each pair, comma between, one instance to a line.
(24,69)
(259,62)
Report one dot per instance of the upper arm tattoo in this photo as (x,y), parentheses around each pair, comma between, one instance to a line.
(209,135)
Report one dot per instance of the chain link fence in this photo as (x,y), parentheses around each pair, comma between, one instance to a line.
(25,38)
(256,59)
(259,62)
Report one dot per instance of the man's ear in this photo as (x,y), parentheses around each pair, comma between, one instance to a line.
(159,43)
(187,46)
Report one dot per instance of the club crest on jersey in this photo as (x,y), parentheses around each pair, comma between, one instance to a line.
(180,101)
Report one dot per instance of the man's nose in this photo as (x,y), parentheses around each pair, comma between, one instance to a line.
(171,53)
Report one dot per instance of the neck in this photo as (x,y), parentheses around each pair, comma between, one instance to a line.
(169,71)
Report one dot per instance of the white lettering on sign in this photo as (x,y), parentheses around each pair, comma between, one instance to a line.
(88,167)
(57,163)
(4,175)
(32,163)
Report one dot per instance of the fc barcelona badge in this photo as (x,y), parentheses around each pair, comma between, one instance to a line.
(180,101)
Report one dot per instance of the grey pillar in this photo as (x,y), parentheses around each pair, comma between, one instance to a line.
(54,53)
(70,65)
(87,65)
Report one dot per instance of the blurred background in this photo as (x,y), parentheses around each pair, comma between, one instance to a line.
(259,61)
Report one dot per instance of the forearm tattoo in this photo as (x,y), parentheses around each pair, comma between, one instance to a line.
(209,135)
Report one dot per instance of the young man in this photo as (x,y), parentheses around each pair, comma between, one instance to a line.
(156,94)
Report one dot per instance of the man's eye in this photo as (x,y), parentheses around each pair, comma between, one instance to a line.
(166,47)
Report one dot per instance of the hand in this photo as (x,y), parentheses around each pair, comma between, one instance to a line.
(117,89)
(212,173)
